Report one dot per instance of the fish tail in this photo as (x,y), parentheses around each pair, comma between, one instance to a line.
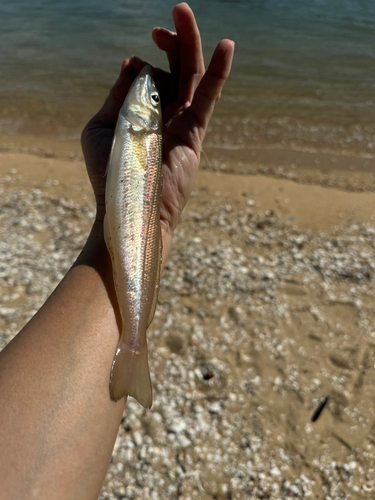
(130,375)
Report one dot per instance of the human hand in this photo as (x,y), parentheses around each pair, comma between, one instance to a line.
(188,95)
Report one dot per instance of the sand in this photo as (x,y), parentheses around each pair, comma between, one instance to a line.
(266,306)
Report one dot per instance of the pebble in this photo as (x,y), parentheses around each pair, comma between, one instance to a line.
(177,427)
(275,472)
(216,394)
(137,438)
(215,408)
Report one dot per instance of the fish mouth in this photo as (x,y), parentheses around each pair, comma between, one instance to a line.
(146,70)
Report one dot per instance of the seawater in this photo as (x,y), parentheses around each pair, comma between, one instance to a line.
(303,74)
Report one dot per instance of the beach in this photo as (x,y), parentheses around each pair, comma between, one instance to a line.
(266,303)
(265,307)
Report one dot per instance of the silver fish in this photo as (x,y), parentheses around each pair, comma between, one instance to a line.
(132,232)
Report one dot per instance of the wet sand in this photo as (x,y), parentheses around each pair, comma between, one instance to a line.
(266,306)
(338,169)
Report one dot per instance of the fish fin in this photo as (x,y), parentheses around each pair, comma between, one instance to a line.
(130,375)
(206,157)
(107,239)
(110,155)
(106,169)
(157,286)
(105,231)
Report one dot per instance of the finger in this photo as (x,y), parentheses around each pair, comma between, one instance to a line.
(107,116)
(168,42)
(209,89)
(191,57)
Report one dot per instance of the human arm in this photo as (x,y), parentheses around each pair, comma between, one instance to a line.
(57,423)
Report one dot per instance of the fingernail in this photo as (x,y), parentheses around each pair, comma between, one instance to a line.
(125,62)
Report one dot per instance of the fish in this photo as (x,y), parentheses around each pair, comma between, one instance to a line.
(132,232)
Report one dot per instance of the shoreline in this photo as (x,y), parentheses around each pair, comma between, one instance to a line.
(307,205)
(330,169)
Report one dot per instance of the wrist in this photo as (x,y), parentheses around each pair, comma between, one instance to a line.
(95,253)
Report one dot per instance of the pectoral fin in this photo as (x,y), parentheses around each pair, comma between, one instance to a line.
(105,231)
(110,155)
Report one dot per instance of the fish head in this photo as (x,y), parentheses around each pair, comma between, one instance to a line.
(142,108)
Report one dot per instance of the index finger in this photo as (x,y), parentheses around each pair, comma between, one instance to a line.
(167,40)
(191,57)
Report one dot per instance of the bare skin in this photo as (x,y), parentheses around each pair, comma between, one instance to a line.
(57,422)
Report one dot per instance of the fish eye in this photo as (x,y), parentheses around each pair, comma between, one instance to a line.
(155,99)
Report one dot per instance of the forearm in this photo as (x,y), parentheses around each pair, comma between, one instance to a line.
(57,422)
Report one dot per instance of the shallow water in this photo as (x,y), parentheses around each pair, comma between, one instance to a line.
(303,75)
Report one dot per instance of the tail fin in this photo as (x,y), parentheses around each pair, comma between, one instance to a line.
(130,376)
